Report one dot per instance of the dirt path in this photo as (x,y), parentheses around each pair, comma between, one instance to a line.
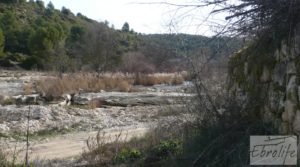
(71,145)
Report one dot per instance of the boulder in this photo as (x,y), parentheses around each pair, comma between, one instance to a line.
(67,100)
(82,100)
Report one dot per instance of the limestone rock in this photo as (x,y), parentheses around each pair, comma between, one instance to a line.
(81,99)
(274,101)
(296,124)
(291,68)
(291,89)
(285,128)
(285,117)
(132,99)
(279,73)
(266,75)
(4,128)
(67,100)
(284,50)
(290,110)
(28,99)
(41,113)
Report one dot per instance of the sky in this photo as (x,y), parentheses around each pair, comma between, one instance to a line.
(143,17)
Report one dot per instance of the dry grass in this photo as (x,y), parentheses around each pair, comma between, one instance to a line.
(3,158)
(5,100)
(159,78)
(95,103)
(28,89)
(124,86)
(93,82)
(134,152)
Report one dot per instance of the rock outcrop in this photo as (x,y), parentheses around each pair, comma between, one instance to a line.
(133,99)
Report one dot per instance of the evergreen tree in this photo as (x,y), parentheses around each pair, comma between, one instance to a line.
(125,27)
(50,6)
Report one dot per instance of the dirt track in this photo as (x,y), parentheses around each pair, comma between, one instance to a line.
(71,145)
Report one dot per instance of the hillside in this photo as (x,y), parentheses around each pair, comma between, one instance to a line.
(33,36)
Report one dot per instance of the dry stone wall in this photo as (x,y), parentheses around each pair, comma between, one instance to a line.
(269,83)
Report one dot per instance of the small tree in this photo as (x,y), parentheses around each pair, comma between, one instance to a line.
(125,27)
(65,11)
(40,3)
(50,6)
(76,33)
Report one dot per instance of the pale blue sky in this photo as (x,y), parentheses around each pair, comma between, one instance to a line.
(144,18)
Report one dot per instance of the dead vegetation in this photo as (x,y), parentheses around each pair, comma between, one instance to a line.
(3,158)
(94,82)
(159,144)
(4,100)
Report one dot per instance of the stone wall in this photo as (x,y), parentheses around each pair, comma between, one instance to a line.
(269,83)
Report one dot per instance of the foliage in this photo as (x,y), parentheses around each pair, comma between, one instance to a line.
(127,155)
(40,3)
(166,148)
(45,36)
(12,1)
(125,27)
(50,6)
(76,33)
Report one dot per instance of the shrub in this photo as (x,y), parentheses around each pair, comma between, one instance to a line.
(28,89)
(127,155)
(155,79)
(166,148)
(110,82)
(177,80)
(72,83)
(124,86)
(7,101)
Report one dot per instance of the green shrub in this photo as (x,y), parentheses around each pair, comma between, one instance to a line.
(128,155)
(166,148)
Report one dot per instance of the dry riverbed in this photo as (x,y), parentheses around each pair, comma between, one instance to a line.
(61,131)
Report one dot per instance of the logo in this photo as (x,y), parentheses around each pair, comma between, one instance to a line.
(273,150)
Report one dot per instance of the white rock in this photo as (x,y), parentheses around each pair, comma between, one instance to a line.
(4,128)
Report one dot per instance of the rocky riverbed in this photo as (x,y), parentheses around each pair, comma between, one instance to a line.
(113,110)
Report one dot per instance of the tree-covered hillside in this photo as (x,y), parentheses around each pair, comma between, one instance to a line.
(34,35)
